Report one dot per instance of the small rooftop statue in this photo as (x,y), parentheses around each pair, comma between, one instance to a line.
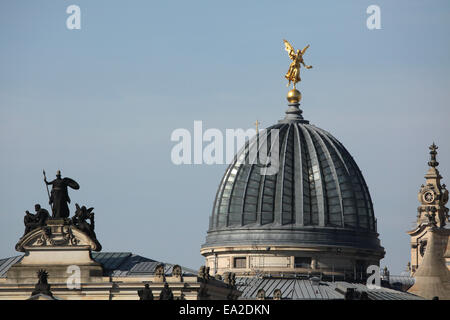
(166,293)
(33,221)
(203,273)
(79,220)
(59,197)
(42,287)
(146,293)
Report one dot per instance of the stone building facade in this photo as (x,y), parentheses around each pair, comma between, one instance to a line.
(431,213)
(63,257)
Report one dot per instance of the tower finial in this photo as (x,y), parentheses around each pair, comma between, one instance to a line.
(433,163)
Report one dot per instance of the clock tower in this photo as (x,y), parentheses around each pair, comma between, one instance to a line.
(431,213)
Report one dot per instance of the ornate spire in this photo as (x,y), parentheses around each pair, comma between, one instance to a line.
(433,163)
(432,195)
(432,215)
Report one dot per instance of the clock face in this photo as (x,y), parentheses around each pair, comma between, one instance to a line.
(428,197)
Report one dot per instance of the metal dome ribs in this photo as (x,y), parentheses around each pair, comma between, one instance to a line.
(318,185)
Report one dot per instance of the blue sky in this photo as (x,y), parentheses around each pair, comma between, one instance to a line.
(100,104)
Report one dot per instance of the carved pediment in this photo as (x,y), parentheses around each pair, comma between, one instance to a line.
(55,235)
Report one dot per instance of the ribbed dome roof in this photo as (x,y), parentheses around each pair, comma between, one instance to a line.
(318,183)
(318,196)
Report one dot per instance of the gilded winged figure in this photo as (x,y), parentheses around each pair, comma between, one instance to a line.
(293,74)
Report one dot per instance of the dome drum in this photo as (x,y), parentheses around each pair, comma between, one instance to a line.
(328,261)
(314,237)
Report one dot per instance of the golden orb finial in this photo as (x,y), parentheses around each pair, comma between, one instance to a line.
(294,96)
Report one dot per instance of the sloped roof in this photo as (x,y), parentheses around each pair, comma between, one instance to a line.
(127,264)
(5,264)
(301,289)
(375,294)
(115,264)
(292,289)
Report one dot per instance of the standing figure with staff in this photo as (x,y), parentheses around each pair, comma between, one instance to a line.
(59,196)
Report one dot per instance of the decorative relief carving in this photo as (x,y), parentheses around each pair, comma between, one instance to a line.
(177,272)
(230,278)
(261,295)
(69,237)
(159,273)
(277,294)
(203,273)
(56,235)
(45,238)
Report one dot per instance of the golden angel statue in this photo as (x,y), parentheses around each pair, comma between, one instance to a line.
(293,74)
